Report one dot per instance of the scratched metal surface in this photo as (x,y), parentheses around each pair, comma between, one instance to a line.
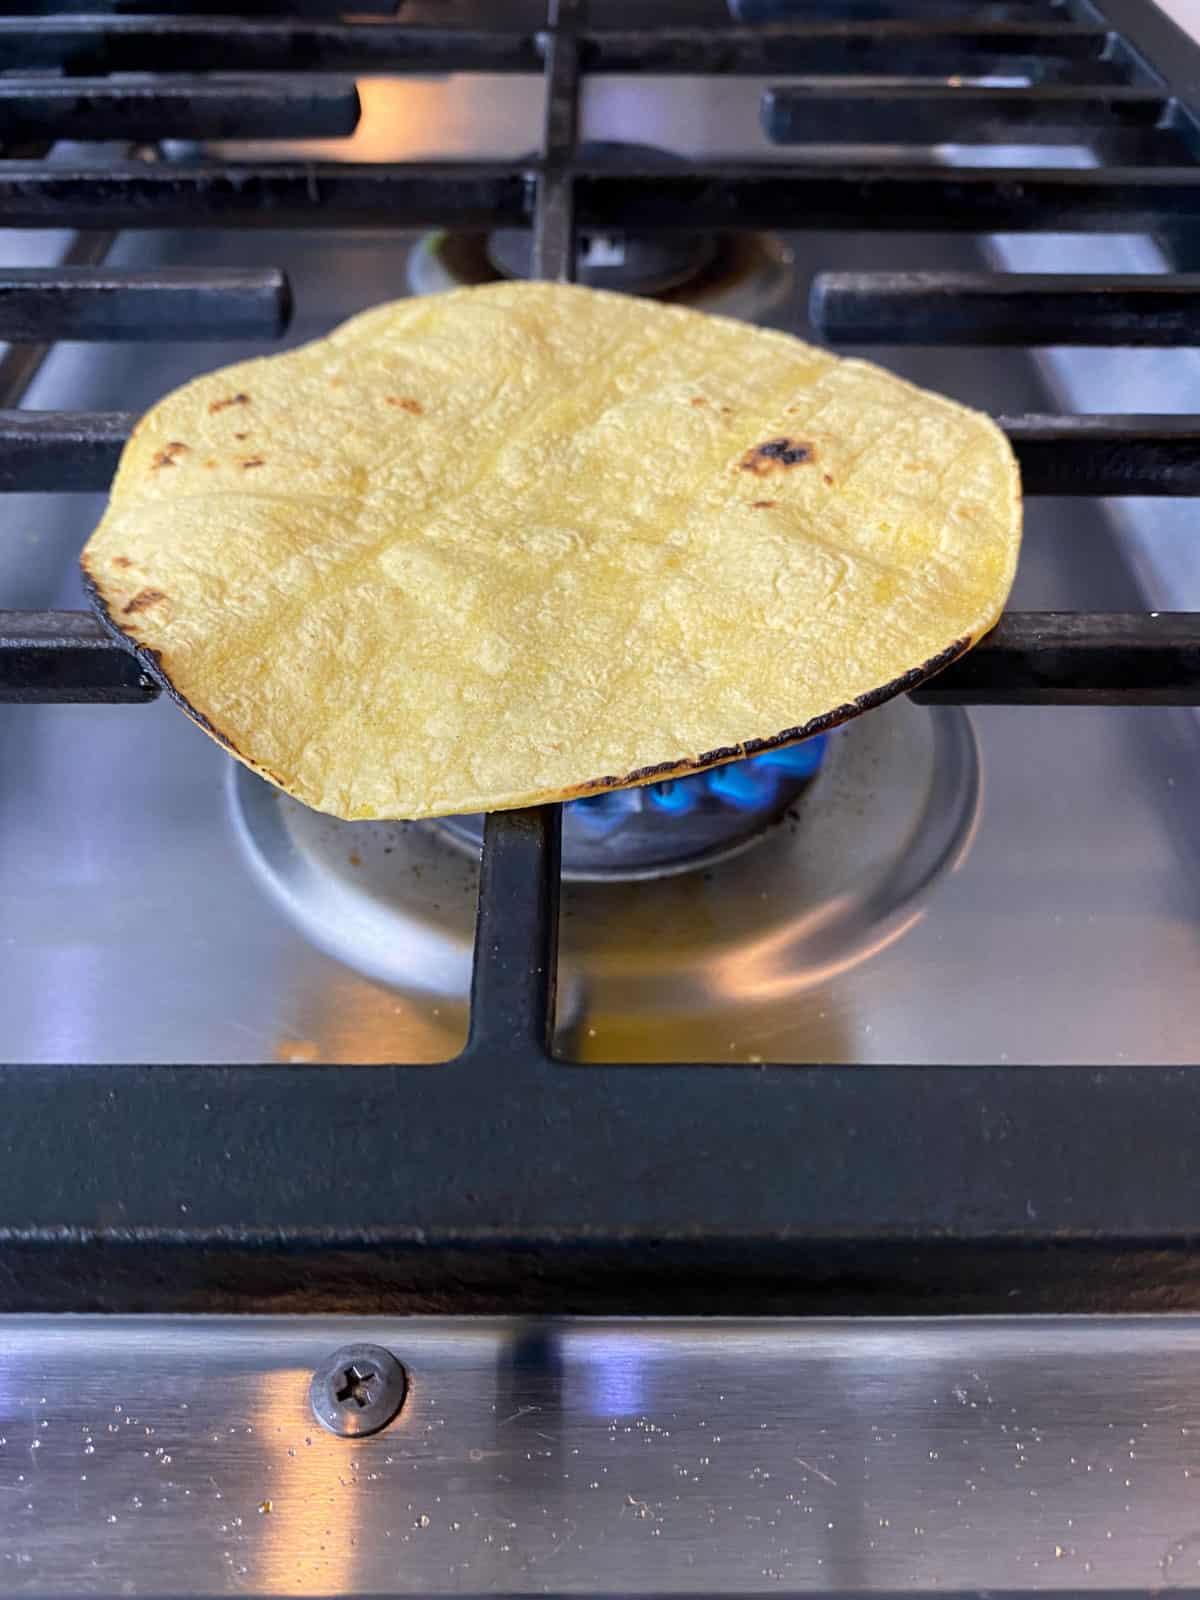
(179,1457)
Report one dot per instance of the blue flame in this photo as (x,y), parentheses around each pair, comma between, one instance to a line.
(676,796)
(750,785)
(744,784)
(797,760)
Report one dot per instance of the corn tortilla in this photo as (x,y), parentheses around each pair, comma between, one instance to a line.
(526,542)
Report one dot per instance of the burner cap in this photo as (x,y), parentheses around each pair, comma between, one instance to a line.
(627,263)
(746,275)
(630,263)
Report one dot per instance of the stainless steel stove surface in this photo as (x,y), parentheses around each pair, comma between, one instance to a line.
(1001,884)
(936,884)
(718,1457)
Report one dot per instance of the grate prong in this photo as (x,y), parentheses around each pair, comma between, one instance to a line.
(516,937)
(921,112)
(1084,658)
(869,196)
(1050,52)
(1007,308)
(59,656)
(46,303)
(1059,455)
(268,107)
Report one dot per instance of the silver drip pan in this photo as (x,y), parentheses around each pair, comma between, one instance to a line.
(839,876)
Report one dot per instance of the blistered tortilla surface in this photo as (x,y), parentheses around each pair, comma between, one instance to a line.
(527,541)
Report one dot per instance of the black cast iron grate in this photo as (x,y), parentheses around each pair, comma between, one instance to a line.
(506,1177)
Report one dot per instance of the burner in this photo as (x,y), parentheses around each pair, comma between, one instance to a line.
(735,275)
(661,829)
(627,263)
(646,967)
(746,275)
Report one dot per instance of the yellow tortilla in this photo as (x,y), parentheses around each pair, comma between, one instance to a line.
(525,542)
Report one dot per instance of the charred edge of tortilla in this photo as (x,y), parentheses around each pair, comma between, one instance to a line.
(151,663)
(756,747)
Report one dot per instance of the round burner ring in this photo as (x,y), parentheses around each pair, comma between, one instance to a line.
(892,812)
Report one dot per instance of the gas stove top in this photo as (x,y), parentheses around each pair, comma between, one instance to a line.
(902,1023)
(778,1005)
(920,904)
